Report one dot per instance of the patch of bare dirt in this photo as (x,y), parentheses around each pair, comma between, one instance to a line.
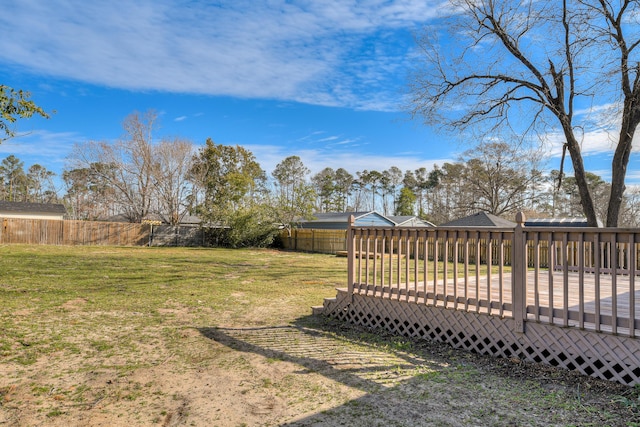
(74,304)
(314,373)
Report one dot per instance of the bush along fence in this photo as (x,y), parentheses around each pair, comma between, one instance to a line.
(67,232)
(566,297)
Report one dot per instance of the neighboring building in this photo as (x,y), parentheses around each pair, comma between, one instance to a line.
(410,221)
(32,210)
(481,220)
(340,220)
(558,222)
(186,220)
(191,221)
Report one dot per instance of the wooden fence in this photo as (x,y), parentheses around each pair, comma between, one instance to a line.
(66,232)
(573,310)
(311,240)
(89,233)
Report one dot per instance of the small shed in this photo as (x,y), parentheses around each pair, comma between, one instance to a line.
(340,220)
(410,221)
(27,210)
(481,220)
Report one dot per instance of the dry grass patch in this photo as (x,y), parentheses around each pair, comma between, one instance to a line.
(98,336)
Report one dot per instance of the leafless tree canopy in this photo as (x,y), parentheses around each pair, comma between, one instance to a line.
(501,180)
(136,175)
(171,164)
(537,68)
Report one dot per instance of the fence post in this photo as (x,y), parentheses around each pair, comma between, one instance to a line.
(519,273)
(351,254)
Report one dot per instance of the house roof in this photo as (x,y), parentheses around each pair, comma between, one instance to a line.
(481,219)
(336,216)
(23,207)
(341,220)
(400,219)
(411,220)
(558,222)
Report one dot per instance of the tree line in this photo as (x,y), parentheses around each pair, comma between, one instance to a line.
(138,177)
(568,70)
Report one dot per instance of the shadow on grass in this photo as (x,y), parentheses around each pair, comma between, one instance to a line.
(359,359)
(324,345)
(409,383)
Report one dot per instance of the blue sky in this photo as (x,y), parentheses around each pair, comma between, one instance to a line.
(320,79)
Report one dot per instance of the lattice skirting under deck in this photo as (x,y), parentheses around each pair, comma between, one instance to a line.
(599,355)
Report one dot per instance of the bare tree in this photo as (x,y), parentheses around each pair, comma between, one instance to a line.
(533,66)
(631,212)
(126,165)
(501,177)
(171,165)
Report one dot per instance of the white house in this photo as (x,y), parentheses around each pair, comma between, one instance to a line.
(32,210)
(340,220)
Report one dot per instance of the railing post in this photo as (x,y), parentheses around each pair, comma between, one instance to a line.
(351,254)
(519,273)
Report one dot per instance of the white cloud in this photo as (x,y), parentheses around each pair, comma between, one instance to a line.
(598,148)
(633,176)
(602,112)
(597,144)
(48,149)
(322,52)
(40,143)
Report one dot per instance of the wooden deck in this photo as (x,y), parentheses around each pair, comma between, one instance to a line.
(569,311)
(575,303)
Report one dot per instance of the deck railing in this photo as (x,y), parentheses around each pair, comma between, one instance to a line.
(584,289)
(560,276)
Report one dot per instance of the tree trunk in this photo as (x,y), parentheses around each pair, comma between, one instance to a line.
(630,120)
(583,188)
(618,172)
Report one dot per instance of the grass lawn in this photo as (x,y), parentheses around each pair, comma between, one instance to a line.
(115,336)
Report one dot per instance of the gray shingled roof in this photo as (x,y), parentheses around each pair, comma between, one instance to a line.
(480,219)
(412,219)
(20,207)
(558,222)
(399,219)
(336,216)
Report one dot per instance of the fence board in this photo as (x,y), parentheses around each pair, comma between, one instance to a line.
(314,240)
(67,232)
